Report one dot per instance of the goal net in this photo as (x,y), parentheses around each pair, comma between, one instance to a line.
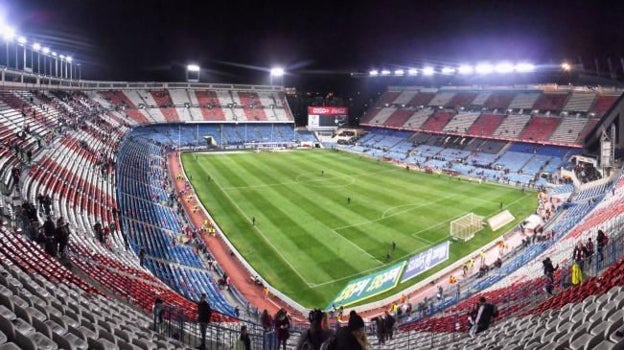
(465,227)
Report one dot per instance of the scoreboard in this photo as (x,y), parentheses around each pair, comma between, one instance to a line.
(327,117)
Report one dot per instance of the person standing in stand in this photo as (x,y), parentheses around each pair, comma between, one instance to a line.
(204,312)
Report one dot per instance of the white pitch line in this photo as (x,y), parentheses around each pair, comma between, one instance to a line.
(355,245)
(264,237)
(408,254)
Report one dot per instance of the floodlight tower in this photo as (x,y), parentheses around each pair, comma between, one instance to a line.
(35,48)
(8,34)
(46,51)
(62,58)
(54,55)
(21,41)
(192,73)
(69,60)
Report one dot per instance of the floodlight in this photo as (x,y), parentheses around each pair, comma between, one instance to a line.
(69,59)
(566,66)
(8,33)
(22,40)
(484,68)
(277,72)
(399,72)
(385,72)
(448,70)
(412,71)
(53,53)
(428,71)
(524,67)
(46,50)
(62,57)
(373,73)
(36,46)
(465,69)
(192,68)
(504,68)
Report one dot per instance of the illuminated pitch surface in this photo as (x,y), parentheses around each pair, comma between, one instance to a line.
(309,241)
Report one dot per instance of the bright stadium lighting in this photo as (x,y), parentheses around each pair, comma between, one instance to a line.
(399,72)
(373,73)
(46,50)
(504,68)
(36,46)
(524,67)
(22,40)
(385,72)
(69,59)
(277,72)
(428,71)
(484,68)
(412,71)
(62,57)
(465,69)
(192,68)
(8,33)
(53,53)
(566,66)
(448,70)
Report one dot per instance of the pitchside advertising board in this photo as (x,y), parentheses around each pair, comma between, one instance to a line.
(327,117)
(423,261)
(369,286)
(379,282)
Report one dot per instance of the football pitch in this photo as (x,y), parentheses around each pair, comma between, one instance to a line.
(324,217)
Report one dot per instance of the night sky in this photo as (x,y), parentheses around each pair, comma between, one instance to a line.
(317,41)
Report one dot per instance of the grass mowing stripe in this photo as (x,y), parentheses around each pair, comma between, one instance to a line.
(310,242)
(292,182)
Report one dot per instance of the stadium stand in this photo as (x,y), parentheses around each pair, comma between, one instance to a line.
(512,126)
(499,100)
(524,100)
(442,98)
(551,101)
(540,128)
(461,99)
(579,102)
(486,124)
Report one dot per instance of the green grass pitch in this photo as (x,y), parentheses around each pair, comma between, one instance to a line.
(309,241)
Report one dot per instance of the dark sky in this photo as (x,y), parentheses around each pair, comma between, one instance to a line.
(315,40)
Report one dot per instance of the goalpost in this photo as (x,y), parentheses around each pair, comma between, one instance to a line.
(465,227)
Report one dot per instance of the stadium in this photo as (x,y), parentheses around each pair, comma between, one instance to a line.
(439,204)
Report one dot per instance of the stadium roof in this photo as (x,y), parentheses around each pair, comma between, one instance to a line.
(239,41)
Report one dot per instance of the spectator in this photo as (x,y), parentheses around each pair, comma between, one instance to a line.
(282,328)
(601,242)
(352,337)
(389,322)
(204,312)
(316,335)
(158,312)
(578,254)
(266,320)
(141,256)
(589,249)
(485,314)
(549,272)
(381,331)
(243,342)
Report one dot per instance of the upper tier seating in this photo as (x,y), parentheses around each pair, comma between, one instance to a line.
(540,128)
(602,104)
(437,121)
(512,126)
(499,100)
(442,98)
(551,101)
(524,100)
(486,124)
(461,99)
(461,123)
(579,102)
(569,130)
